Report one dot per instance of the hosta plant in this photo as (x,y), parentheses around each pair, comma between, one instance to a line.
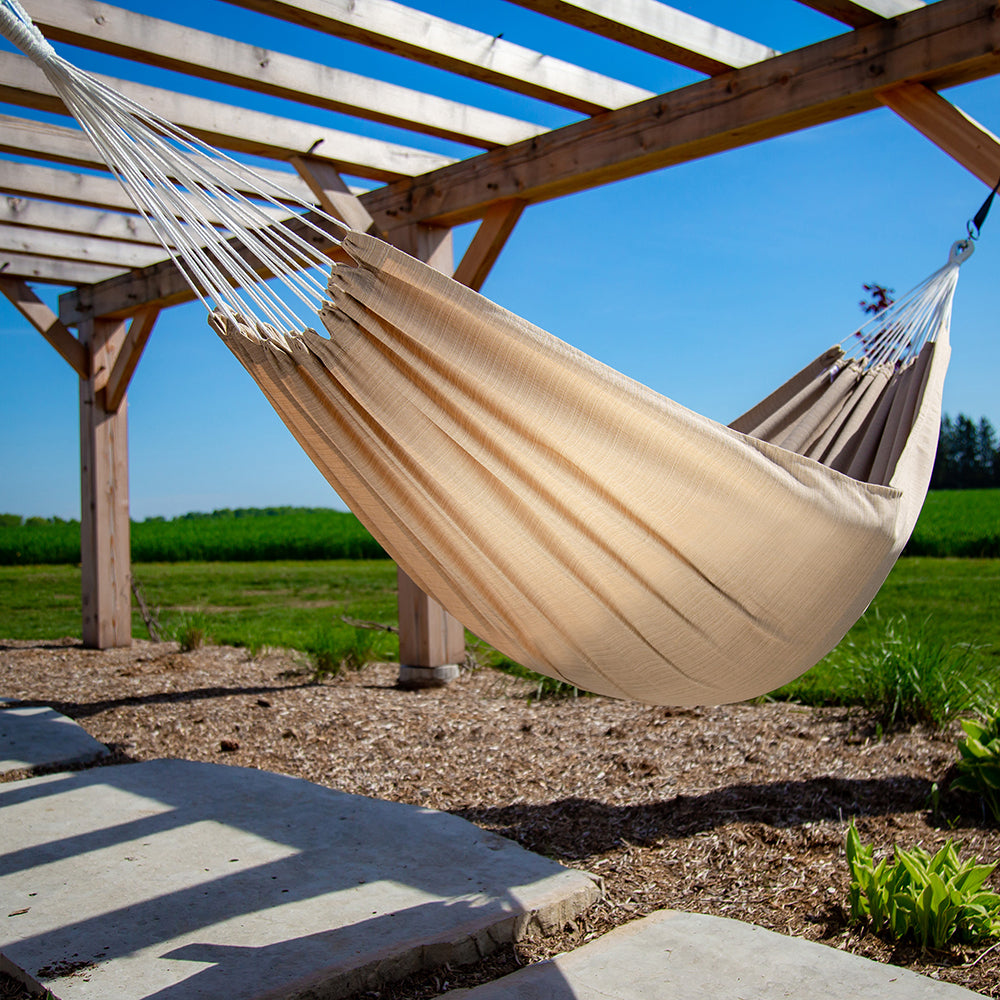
(931,899)
(979,766)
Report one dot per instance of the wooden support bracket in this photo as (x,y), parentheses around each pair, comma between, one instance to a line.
(45,321)
(128,357)
(948,127)
(497,225)
(333,195)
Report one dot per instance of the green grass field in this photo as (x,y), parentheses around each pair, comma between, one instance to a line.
(963,523)
(300,605)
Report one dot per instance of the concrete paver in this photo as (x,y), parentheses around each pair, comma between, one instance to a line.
(177,880)
(671,955)
(35,736)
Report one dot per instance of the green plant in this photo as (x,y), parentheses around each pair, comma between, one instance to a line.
(190,631)
(908,676)
(931,899)
(979,766)
(332,650)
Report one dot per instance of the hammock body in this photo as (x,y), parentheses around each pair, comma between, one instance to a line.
(583,524)
(578,521)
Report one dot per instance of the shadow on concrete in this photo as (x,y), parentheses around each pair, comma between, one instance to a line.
(149,869)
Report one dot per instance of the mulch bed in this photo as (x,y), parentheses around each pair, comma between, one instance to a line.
(738,811)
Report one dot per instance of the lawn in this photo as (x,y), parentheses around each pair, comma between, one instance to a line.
(300,605)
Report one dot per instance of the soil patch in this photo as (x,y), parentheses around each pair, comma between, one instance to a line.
(738,811)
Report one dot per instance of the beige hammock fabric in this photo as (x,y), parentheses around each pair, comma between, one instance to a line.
(580,522)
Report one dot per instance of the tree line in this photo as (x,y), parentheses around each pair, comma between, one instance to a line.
(968,456)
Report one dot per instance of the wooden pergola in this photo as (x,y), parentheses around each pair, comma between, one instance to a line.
(78,229)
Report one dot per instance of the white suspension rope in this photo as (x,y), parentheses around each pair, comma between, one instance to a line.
(225,244)
(897,334)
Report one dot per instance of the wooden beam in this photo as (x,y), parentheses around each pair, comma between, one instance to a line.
(944,44)
(104,521)
(333,195)
(128,358)
(229,127)
(961,137)
(58,185)
(492,234)
(49,271)
(859,13)
(44,141)
(78,249)
(425,38)
(48,216)
(124,33)
(658,29)
(38,314)
(163,285)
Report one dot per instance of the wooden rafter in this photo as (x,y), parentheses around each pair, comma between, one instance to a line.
(230,127)
(163,284)
(41,317)
(105,28)
(48,216)
(48,271)
(422,37)
(56,143)
(32,181)
(860,13)
(658,29)
(72,247)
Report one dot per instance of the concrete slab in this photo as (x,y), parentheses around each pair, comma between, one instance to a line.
(33,737)
(177,881)
(688,956)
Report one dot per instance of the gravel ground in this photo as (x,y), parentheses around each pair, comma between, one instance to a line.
(738,811)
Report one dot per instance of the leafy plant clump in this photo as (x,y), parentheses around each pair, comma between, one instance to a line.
(979,766)
(332,650)
(190,631)
(906,676)
(930,899)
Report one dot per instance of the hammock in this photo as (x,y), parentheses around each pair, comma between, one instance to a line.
(581,523)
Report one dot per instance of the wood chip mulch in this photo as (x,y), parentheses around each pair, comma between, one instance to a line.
(738,811)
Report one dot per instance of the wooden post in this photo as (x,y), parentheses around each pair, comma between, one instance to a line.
(431,641)
(104,514)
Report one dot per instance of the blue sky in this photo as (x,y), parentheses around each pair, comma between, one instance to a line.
(711,281)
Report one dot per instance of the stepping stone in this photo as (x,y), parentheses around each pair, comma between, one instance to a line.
(181,880)
(671,955)
(33,737)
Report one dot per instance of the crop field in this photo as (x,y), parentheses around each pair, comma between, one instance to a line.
(249,535)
